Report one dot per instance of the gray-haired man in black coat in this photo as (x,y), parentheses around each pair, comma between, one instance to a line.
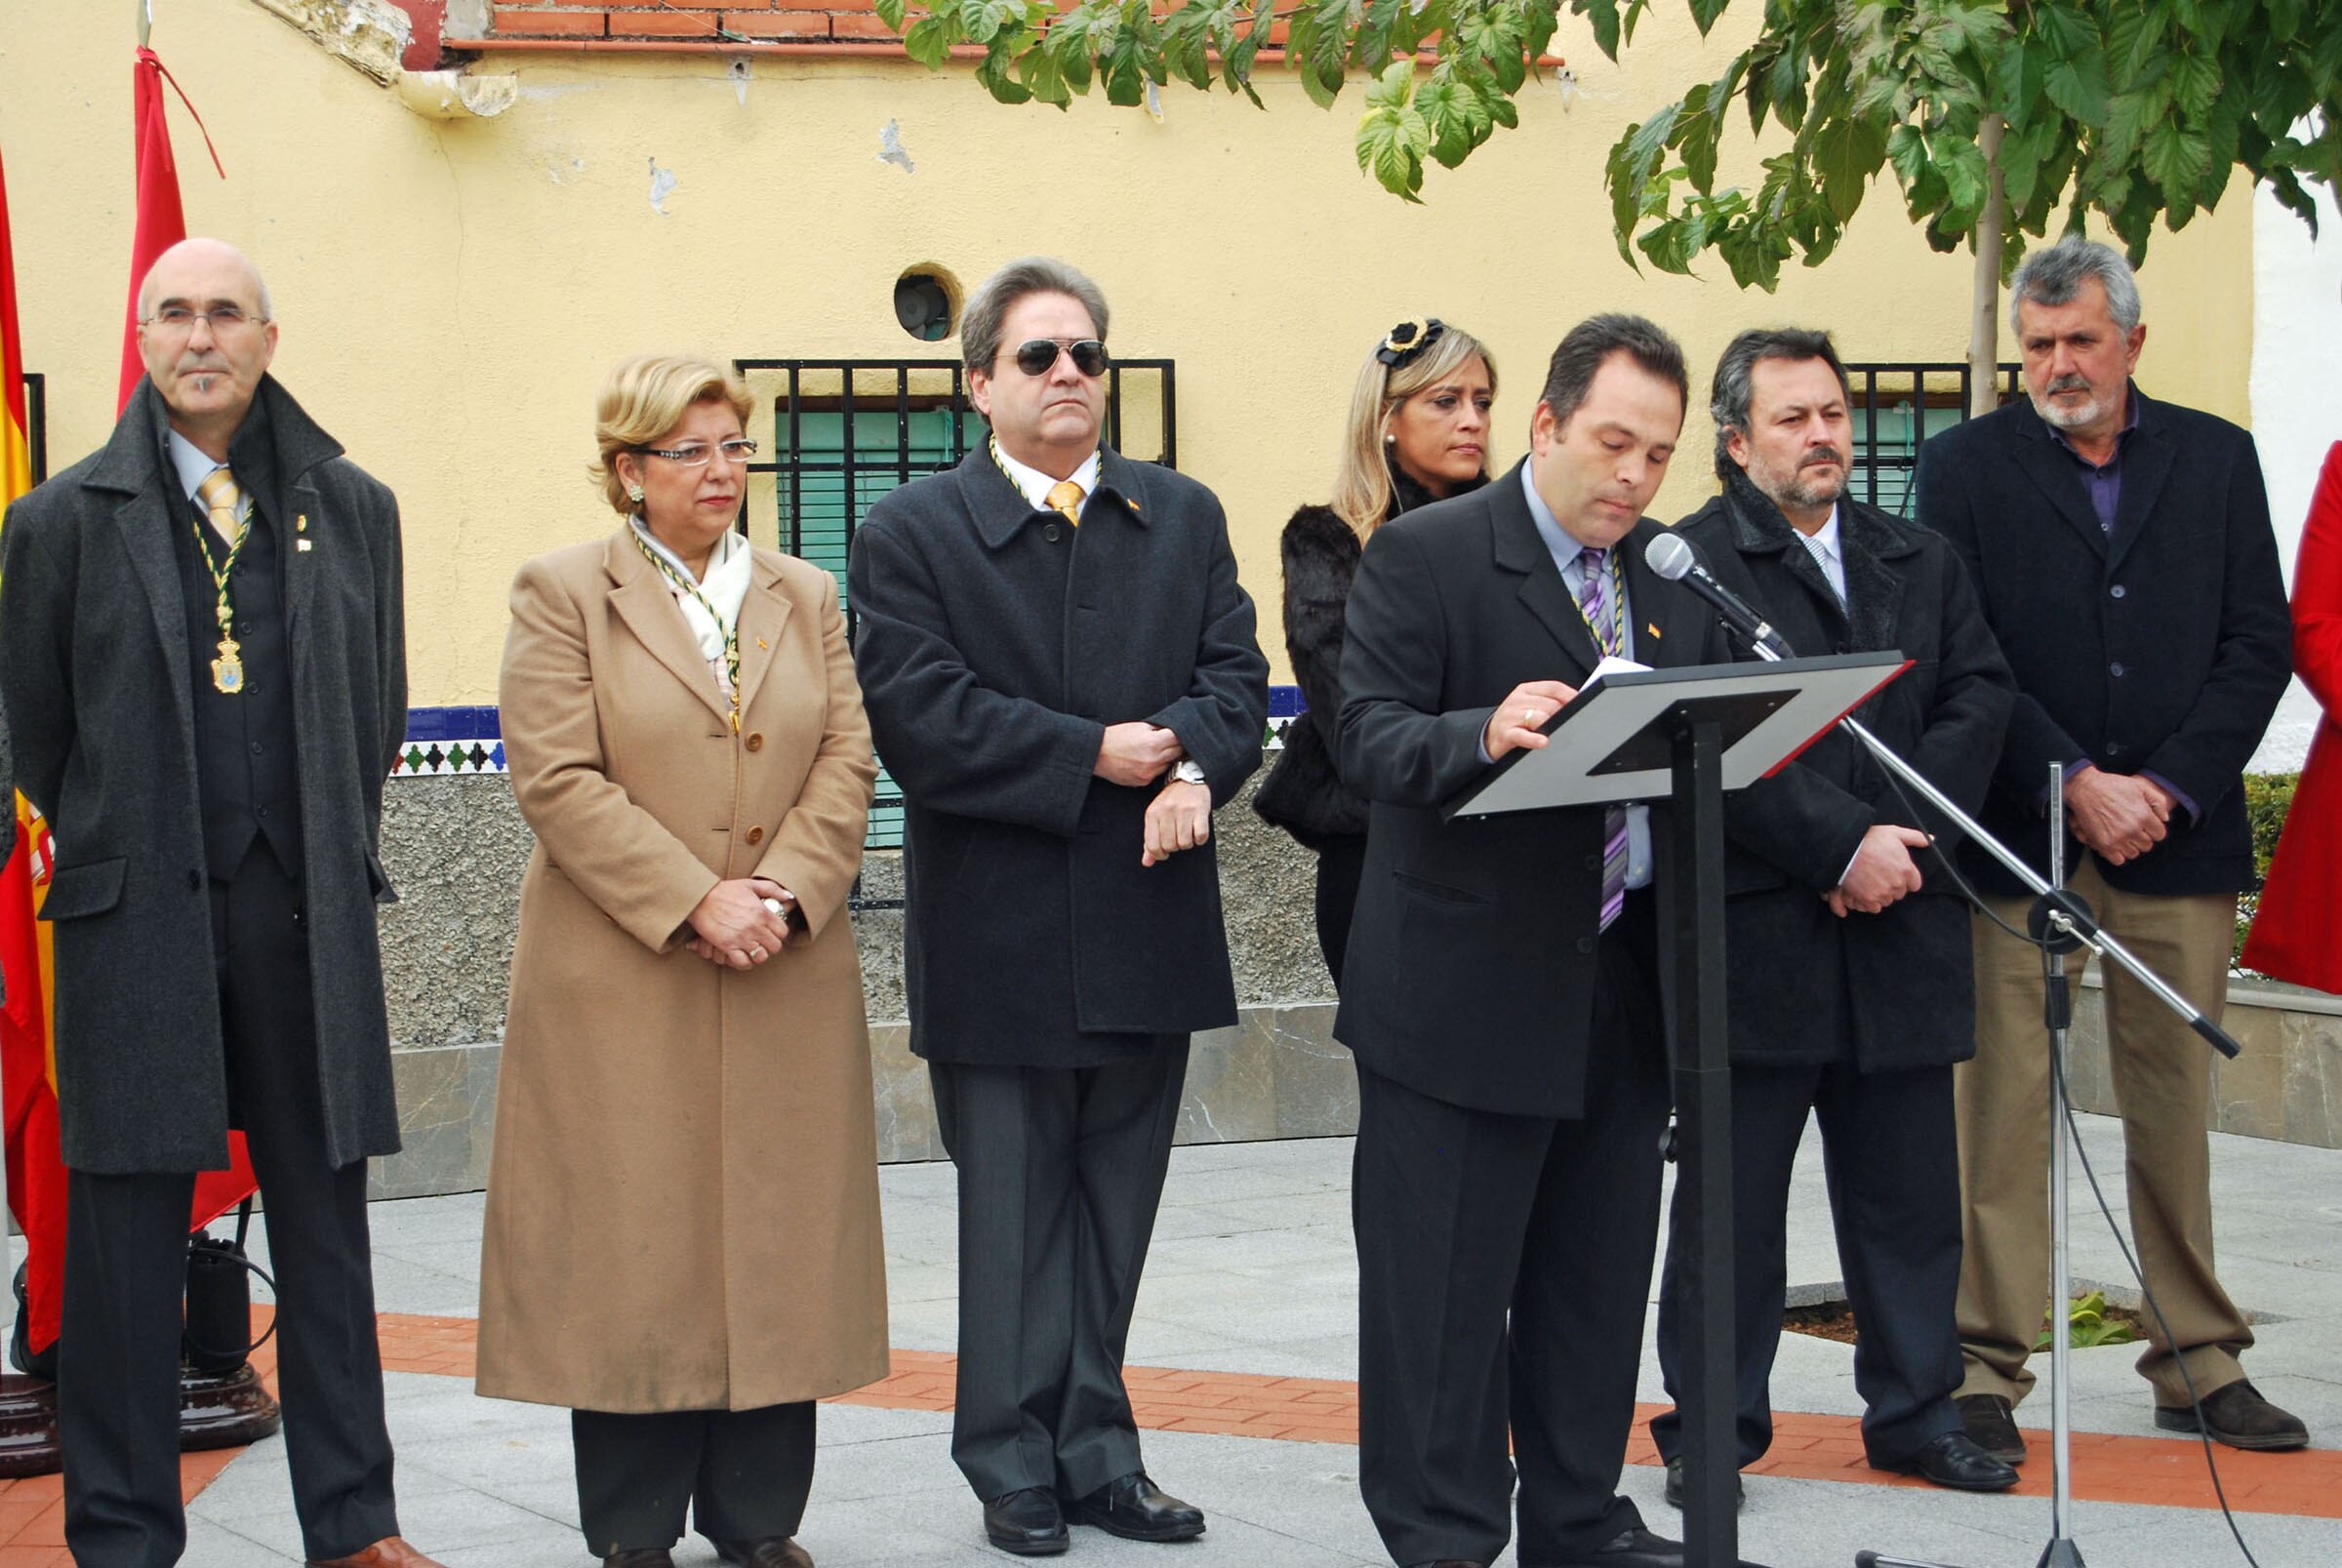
(1849,986)
(1061,673)
(204,658)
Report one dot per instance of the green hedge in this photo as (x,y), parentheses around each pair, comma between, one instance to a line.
(2267,799)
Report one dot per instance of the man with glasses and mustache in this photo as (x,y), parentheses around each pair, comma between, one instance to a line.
(204,658)
(2122,549)
(1850,990)
(1061,674)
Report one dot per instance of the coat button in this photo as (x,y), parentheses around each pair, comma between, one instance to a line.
(2117,591)
(2114,749)
(194,881)
(2116,669)
(1584,944)
(1593,862)
(1049,533)
(754,743)
(755,835)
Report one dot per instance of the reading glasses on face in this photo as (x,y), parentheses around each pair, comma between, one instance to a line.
(740,451)
(178,320)
(1036,356)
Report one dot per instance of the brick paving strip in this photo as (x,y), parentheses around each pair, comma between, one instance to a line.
(2161,1471)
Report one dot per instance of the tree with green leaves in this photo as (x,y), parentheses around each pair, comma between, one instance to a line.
(1996,116)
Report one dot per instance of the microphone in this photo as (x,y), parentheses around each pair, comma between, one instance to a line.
(1673,558)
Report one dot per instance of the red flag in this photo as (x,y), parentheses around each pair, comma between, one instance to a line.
(161,221)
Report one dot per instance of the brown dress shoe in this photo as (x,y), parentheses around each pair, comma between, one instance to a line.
(768,1552)
(1987,1419)
(392,1551)
(2237,1415)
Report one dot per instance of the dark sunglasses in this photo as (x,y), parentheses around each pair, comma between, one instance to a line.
(1037,355)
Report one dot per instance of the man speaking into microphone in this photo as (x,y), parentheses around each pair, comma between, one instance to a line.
(1499,988)
(1849,988)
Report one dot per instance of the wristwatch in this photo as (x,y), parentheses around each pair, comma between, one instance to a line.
(1188,771)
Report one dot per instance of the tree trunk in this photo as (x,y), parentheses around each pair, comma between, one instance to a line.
(1984,326)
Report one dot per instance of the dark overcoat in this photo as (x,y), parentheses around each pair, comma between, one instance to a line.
(996,644)
(1881,991)
(94,663)
(1473,950)
(2162,650)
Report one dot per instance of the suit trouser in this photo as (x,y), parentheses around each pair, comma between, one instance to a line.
(2163,1086)
(1893,1168)
(1464,1216)
(126,1246)
(745,1474)
(1060,1172)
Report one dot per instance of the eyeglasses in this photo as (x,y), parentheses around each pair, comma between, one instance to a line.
(226,321)
(1038,355)
(740,451)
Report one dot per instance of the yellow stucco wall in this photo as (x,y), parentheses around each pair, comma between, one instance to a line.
(451,293)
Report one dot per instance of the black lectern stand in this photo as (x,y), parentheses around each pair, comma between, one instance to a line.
(1687,737)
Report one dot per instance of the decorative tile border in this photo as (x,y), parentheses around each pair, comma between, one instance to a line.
(444,741)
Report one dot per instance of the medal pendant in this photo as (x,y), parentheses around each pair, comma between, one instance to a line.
(227,670)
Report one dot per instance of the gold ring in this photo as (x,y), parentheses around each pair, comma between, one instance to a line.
(755,952)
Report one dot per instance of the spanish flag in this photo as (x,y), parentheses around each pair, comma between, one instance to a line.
(36,1173)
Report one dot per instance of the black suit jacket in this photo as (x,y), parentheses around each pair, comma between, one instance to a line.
(2162,650)
(1885,990)
(95,661)
(996,645)
(1470,971)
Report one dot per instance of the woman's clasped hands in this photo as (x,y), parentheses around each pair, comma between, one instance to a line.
(742,922)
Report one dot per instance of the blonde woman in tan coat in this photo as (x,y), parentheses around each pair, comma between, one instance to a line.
(682,1240)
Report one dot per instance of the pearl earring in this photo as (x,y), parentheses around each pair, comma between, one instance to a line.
(634,493)
(1388,439)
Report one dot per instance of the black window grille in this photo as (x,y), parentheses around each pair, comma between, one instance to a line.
(1896,408)
(844,432)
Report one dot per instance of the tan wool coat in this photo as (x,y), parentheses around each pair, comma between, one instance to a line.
(683,1196)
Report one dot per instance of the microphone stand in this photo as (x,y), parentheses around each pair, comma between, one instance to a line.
(2061,921)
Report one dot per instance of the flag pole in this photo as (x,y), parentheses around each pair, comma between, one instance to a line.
(145,20)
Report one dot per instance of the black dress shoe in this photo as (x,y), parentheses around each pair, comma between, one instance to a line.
(1027,1522)
(1957,1461)
(639,1557)
(1134,1508)
(1988,1420)
(766,1551)
(2237,1415)
(1451,1562)
(1674,1485)
(1632,1548)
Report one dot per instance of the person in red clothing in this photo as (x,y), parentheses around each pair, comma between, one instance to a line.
(2297,933)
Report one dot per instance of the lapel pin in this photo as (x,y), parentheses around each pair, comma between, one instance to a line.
(1651,626)
(761,643)
(301,524)
(302,546)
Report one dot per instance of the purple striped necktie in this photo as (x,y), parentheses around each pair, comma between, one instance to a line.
(1602,619)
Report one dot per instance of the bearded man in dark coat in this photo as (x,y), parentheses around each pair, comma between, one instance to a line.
(1061,674)
(1849,985)
(204,659)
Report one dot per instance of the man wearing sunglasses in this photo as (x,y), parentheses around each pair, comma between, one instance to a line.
(1061,674)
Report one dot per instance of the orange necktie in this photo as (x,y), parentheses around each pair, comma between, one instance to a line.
(1065,496)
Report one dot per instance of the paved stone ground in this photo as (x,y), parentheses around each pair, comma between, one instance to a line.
(1252,1279)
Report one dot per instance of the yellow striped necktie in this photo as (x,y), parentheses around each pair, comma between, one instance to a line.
(1065,498)
(223,502)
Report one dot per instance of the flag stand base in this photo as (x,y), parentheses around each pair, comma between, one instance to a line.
(216,1410)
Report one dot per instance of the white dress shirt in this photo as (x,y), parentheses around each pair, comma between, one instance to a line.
(1036,485)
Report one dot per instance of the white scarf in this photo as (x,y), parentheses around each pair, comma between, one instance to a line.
(729,567)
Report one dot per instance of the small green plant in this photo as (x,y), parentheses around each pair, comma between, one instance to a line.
(2268,796)
(2090,1322)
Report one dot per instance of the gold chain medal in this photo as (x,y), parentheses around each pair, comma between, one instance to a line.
(227,670)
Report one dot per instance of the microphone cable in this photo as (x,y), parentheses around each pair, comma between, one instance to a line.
(2060,1322)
